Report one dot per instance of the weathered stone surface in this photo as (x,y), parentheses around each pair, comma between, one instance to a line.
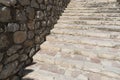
(23,57)
(31,12)
(24,2)
(12,27)
(34,4)
(1,30)
(44,23)
(23,27)
(11,58)
(30,34)
(40,1)
(32,52)
(16,78)
(4,42)
(8,70)
(8,2)
(20,37)
(5,13)
(1,66)
(37,39)
(21,16)
(31,26)
(13,49)
(40,15)
(1,56)
(28,43)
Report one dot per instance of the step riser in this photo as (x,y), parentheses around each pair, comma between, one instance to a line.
(89,18)
(92,14)
(86,33)
(89,27)
(92,11)
(90,22)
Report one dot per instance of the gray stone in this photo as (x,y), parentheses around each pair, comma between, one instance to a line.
(20,37)
(49,23)
(12,27)
(32,52)
(4,43)
(38,32)
(1,56)
(5,14)
(40,15)
(1,66)
(40,1)
(34,4)
(37,39)
(49,7)
(31,25)
(15,78)
(8,2)
(28,43)
(1,30)
(37,25)
(23,57)
(11,58)
(31,12)
(46,2)
(44,24)
(23,27)
(13,49)
(24,2)
(28,61)
(8,70)
(21,16)
(42,7)
(30,34)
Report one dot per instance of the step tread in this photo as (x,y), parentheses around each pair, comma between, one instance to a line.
(42,71)
(84,40)
(62,63)
(87,50)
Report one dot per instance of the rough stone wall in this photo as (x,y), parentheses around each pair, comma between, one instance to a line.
(118,1)
(23,27)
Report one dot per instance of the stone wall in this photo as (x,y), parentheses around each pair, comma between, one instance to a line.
(118,1)
(23,27)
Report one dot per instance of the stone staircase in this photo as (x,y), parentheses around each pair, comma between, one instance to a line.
(84,44)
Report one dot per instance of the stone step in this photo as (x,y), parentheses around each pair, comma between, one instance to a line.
(108,1)
(42,71)
(84,40)
(71,62)
(89,22)
(93,5)
(87,27)
(85,50)
(89,18)
(93,11)
(88,33)
(92,14)
(93,8)
(46,71)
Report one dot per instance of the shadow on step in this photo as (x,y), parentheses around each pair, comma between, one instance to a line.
(27,79)
(27,72)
